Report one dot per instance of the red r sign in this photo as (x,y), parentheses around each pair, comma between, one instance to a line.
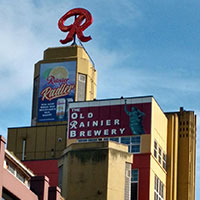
(78,26)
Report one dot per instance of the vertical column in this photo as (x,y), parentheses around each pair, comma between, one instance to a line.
(54,193)
(2,155)
(40,186)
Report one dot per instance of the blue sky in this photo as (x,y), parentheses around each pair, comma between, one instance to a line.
(140,48)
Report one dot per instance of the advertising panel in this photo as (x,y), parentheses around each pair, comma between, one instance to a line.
(56,89)
(109,120)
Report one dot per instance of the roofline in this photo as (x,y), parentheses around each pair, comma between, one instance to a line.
(28,171)
(137,97)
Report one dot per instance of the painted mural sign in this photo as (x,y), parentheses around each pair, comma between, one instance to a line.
(56,89)
(109,121)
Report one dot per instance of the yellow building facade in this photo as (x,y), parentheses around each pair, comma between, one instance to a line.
(85,76)
(149,148)
(98,170)
(163,147)
(182,155)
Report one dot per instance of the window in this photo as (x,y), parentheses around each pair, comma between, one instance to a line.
(159,155)
(164,161)
(125,140)
(20,177)
(135,149)
(11,168)
(135,140)
(6,195)
(155,149)
(158,189)
(134,184)
(92,140)
(135,144)
(82,80)
(114,139)
(82,140)
(134,176)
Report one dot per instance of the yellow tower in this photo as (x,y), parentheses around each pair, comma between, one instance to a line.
(71,65)
(65,74)
(181,153)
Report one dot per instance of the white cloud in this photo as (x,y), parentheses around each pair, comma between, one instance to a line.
(26,31)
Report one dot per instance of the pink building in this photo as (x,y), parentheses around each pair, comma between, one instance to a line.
(17,182)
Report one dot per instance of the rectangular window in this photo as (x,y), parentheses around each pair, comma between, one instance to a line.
(164,161)
(92,140)
(135,140)
(159,155)
(11,168)
(81,89)
(6,195)
(134,175)
(114,139)
(134,184)
(135,148)
(158,189)
(125,140)
(83,140)
(135,144)
(155,149)
(20,177)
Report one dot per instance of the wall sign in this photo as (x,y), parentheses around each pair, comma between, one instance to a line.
(109,121)
(56,89)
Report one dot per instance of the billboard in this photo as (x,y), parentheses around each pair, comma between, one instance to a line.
(56,89)
(109,120)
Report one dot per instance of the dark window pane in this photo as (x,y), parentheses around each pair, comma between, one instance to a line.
(135,148)
(125,140)
(134,191)
(114,139)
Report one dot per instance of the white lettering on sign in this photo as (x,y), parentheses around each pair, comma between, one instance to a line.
(82,126)
(97,132)
(82,133)
(116,122)
(106,132)
(90,115)
(113,132)
(73,124)
(94,133)
(108,122)
(76,115)
(122,130)
(72,134)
